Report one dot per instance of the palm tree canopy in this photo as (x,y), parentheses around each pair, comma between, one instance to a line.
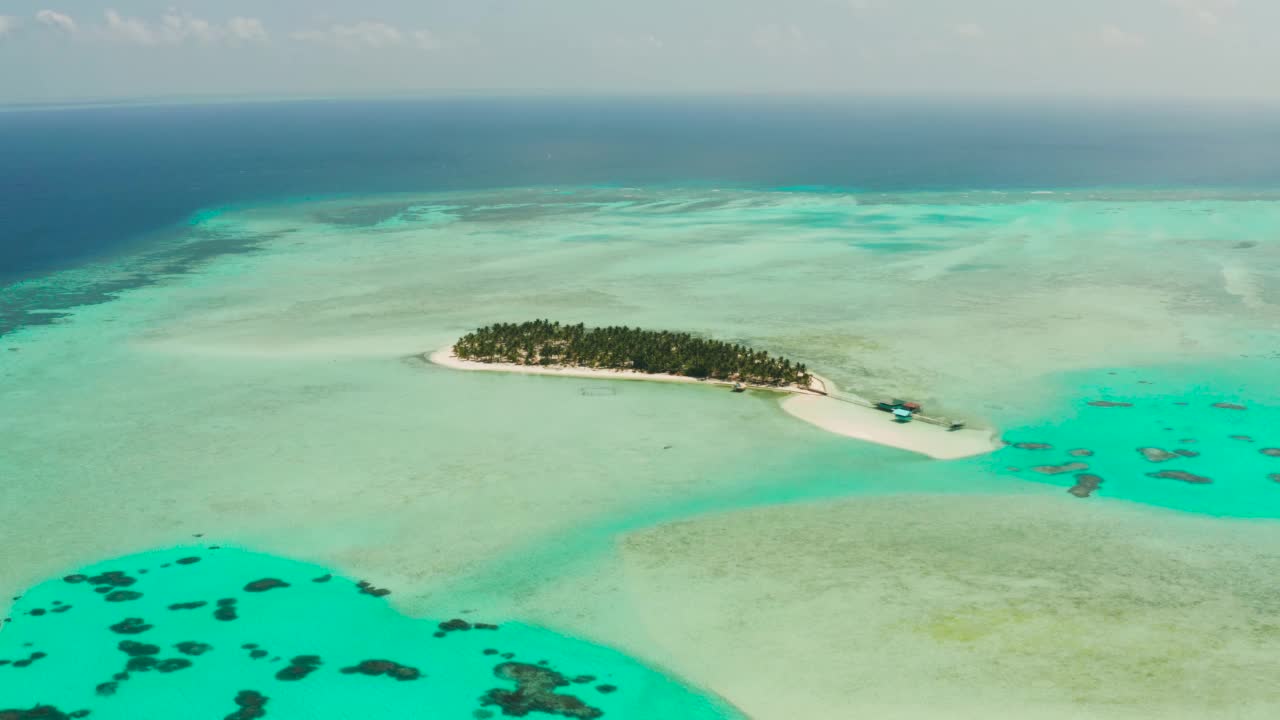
(543,342)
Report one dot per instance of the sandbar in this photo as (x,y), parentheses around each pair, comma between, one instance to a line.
(864,423)
(835,415)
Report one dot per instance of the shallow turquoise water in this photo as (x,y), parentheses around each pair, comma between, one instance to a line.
(1223,420)
(272,397)
(316,614)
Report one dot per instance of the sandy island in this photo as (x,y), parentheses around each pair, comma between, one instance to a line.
(831,414)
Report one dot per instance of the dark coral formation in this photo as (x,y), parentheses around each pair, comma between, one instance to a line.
(1085,485)
(187,560)
(141,663)
(193,648)
(41,712)
(113,578)
(300,667)
(485,626)
(1182,476)
(131,626)
(27,661)
(226,611)
(146,663)
(1080,452)
(122,596)
(107,688)
(1031,446)
(188,605)
(252,705)
(535,692)
(606,689)
(455,625)
(323,578)
(1109,404)
(265,584)
(374,668)
(1156,455)
(137,649)
(1229,406)
(1059,469)
(367,588)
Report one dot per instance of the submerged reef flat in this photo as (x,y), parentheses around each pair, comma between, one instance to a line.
(1049,606)
(292,372)
(348,653)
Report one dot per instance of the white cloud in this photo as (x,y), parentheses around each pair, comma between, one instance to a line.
(7,24)
(175,28)
(364,34)
(56,20)
(129,29)
(1207,13)
(970,30)
(1115,37)
(245,29)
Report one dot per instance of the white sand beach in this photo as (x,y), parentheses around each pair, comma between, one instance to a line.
(447,358)
(863,423)
(834,415)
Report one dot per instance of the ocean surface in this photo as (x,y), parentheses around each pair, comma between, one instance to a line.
(211,327)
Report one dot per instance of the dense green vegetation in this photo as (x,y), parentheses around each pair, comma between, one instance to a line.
(542,342)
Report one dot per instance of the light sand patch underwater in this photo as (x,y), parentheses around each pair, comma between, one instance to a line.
(987,607)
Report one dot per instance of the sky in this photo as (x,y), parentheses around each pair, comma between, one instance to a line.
(71,50)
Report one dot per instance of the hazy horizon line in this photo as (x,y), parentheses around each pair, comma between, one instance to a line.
(954,99)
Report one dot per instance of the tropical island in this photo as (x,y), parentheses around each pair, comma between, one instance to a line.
(544,343)
(543,347)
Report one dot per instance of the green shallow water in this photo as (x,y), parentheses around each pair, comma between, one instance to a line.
(274,397)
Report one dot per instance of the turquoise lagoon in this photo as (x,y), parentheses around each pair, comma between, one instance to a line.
(306,645)
(256,377)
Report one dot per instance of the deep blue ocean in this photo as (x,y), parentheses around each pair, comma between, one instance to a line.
(83,182)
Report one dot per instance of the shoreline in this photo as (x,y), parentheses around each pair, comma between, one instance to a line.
(446,358)
(817,408)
